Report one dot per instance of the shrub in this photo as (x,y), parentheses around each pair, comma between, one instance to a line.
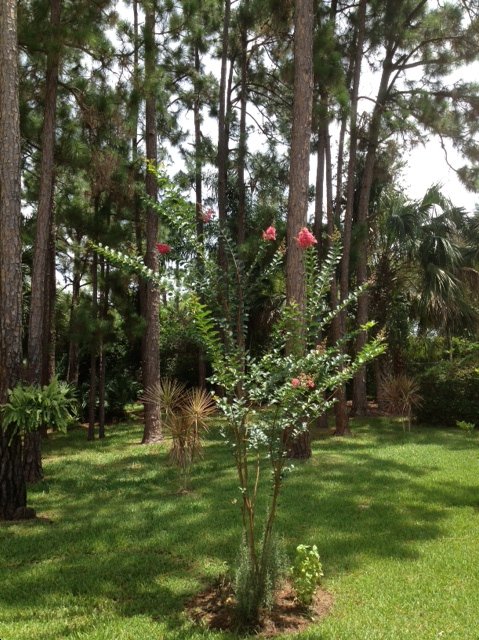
(450,392)
(183,415)
(30,407)
(401,396)
(307,572)
(468,427)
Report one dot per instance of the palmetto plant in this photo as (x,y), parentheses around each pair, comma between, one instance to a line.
(401,397)
(184,414)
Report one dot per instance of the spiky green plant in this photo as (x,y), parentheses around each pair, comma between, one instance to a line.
(401,397)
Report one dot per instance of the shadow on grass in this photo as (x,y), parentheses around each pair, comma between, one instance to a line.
(121,535)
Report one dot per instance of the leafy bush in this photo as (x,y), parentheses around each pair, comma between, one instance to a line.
(29,407)
(307,572)
(450,392)
(468,427)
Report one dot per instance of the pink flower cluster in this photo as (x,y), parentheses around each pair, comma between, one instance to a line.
(304,381)
(305,238)
(208,215)
(163,248)
(269,234)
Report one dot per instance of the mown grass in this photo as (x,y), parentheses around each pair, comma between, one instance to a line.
(117,551)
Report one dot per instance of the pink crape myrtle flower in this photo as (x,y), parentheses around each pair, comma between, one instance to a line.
(269,234)
(163,248)
(305,238)
(295,382)
(208,215)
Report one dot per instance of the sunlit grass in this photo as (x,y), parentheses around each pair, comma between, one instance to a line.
(117,551)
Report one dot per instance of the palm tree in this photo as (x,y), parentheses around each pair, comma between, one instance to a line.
(422,263)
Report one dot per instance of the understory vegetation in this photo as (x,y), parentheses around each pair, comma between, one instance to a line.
(393,514)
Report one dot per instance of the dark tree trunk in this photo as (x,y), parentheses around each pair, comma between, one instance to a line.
(242,146)
(340,406)
(353,147)
(151,351)
(45,209)
(39,301)
(93,349)
(299,179)
(104,295)
(49,333)
(360,406)
(32,457)
(199,200)
(319,195)
(13,495)
(222,156)
(73,347)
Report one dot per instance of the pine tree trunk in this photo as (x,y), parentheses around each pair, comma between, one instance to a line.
(49,333)
(32,457)
(12,482)
(104,270)
(44,223)
(299,180)
(340,407)
(45,209)
(242,146)
(93,350)
(199,199)
(360,405)
(73,346)
(151,351)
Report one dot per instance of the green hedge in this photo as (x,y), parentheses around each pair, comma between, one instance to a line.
(450,392)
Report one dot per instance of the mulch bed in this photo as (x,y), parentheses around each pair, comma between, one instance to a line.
(214,608)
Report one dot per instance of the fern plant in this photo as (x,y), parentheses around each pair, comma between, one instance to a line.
(29,407)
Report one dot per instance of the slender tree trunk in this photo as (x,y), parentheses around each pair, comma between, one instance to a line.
(360,406)
(39,302)
(13,496)
(319,194)
(222,156)
(299,177)
(151,351)
(93,350)
(340,407)
(49,333)
(242,146)
(199,199)
(73,347)
(353,147)
(104,295)
(45,208)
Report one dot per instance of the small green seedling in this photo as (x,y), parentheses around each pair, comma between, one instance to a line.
(306,572)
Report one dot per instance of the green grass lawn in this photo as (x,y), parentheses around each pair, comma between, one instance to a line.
(117,552)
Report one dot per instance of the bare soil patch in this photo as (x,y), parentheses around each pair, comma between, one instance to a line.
(214,608)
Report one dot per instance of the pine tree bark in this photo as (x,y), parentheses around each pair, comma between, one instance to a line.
(104,296)
(299,163)
(299,177)
(360,405)
(242,145)
(39,301)
(199,199)
(13,494)
(73,346)
(93,349)
(151,346)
